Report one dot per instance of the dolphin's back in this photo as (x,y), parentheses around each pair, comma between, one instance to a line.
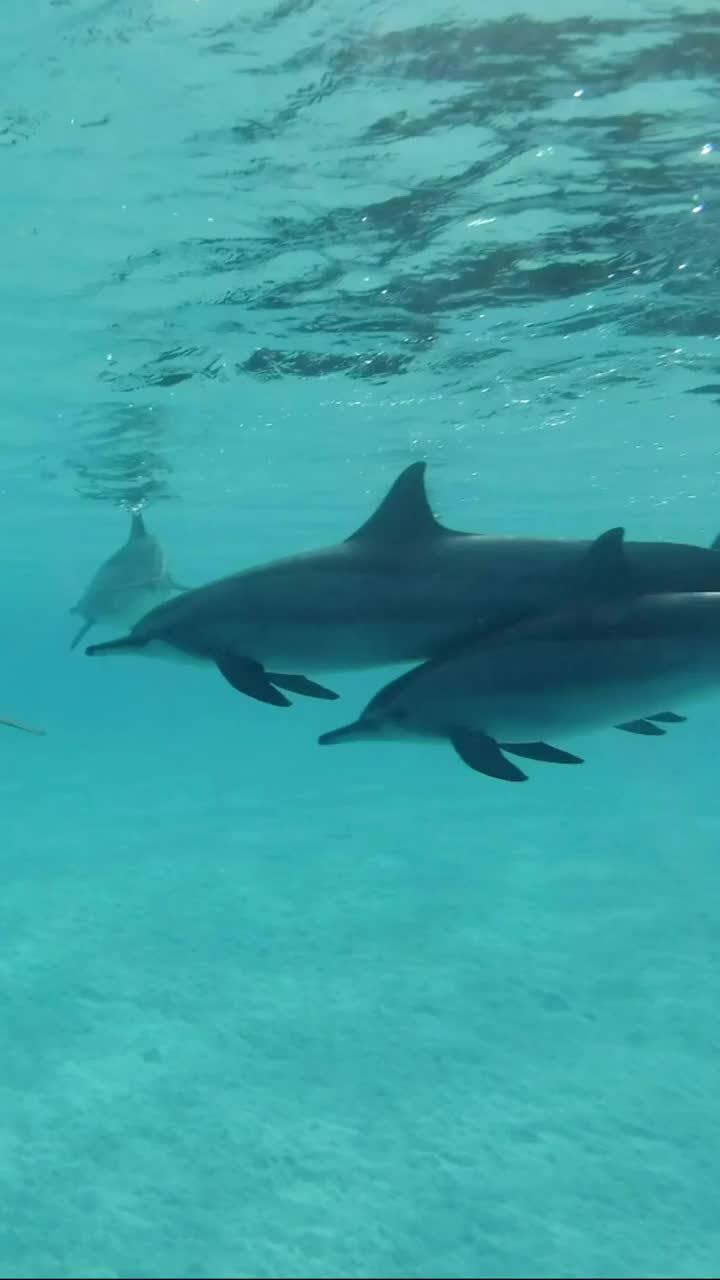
(673,566)
(459,578)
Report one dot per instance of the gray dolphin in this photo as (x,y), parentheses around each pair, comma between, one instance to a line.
(128,583)
(612,661)
(393,592)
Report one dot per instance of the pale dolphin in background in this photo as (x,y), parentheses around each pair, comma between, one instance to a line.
(617,660)
(395,591)
(131,581)
(13,724)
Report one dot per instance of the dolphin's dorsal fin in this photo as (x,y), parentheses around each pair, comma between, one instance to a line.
(604,569)
(715,544)
(404,515)
(602,575)
(137,526)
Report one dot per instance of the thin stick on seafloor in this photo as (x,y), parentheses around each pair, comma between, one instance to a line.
(13,724)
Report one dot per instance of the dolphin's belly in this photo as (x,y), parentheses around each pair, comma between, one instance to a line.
(543,719)
(329,646)
(527,694)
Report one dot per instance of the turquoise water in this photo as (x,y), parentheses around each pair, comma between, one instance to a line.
(274,1011)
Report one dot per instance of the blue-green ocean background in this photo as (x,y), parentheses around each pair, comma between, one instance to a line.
(271,1011)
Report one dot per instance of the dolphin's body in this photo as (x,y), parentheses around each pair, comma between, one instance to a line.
(394,592)
(131,581)
(615,660)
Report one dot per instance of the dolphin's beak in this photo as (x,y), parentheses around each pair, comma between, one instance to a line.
(355,732)
(125,645)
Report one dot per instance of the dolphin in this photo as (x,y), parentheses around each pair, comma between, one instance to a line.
(613,660)
(129,582)
(394,592)
(13,724)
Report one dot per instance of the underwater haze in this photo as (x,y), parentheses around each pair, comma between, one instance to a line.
(268,1010)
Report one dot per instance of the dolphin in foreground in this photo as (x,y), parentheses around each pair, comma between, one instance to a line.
(614,661)
(128,583)
(394,592)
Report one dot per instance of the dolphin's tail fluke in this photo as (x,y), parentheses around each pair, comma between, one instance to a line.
(126,644)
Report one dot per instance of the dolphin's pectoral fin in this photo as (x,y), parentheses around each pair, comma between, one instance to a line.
(483,755)
(301,684)
(650,726)
(541,751)
(82,633)
(249,677)
(645,727)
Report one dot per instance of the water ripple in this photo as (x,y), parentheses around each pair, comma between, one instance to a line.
(306,193)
